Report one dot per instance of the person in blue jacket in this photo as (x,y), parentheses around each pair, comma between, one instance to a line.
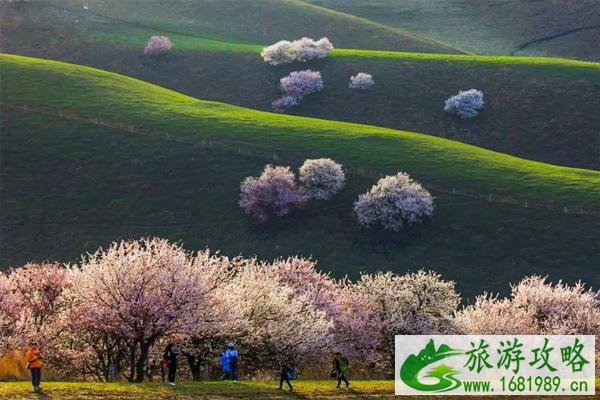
(288,372)
(225,366)
(232,356)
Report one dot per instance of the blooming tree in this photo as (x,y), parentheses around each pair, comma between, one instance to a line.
(272,194)
(395,201)
(304,49)
(31,306)
(301,83)
(272,322)
(535,306)
(158,45)
(411,304)
(140,291)
(465,104)
(322,178)
(283,103)
(361,81)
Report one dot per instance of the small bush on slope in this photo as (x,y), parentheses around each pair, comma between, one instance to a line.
(158,45)
(361,81)
(322,178)
(273,194)
(395,201)
(465,104)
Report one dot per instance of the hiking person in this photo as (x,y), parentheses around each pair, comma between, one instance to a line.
(232,356)
(34,359)
(340,368)
(225,365)
(170,360)
(287,374)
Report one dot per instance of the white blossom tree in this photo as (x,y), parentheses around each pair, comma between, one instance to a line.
(321,178)
(304,49)
(362,81)
(395,201)
(465,104)
(410,304)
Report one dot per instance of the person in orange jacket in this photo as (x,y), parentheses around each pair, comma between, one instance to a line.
(34,359)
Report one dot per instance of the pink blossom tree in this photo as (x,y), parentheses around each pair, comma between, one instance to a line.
(273,194)
(158,45)
(304,49)
(283,103)
(140,291)
(394,202)
(31,307)
(301,83)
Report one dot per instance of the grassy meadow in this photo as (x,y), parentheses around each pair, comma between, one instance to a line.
(537,108)
(150,161)
(546,28)
(222,390)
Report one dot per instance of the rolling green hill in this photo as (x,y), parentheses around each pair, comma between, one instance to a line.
(562,28)
(540,109)
(90,156)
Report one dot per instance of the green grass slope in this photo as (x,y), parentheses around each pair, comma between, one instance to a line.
(542,28)
(537,108)
(90,156)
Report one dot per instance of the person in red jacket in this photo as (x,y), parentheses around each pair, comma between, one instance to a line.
(34,359)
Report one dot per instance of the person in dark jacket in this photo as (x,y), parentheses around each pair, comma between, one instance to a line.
(170,360)
(340,367)
(287,374)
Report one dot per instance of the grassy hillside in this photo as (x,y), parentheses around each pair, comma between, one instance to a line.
(90,156)
(541,109)
(560,28)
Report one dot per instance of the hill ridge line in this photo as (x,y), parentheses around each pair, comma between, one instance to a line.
(69,115)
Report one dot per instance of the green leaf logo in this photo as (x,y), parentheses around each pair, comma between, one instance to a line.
(409,372)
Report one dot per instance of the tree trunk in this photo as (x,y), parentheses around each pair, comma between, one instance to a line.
(140,366)
(194,363)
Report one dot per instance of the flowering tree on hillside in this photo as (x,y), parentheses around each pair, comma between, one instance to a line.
(322,178)
(304,49)
(272,194)
(158,45)
(395,201)
(283,103)
(140,291)
(361,81)
(465,104)
(301,83)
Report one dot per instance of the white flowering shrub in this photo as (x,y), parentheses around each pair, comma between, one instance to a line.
(300,83)
(304,49)
(158,45)
(282,52)
(395,201)
(273,194)
(361,81)
(465,104)
(283,103)
(321,178)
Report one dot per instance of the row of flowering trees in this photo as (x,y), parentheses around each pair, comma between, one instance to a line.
(109,315)
(393,203)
